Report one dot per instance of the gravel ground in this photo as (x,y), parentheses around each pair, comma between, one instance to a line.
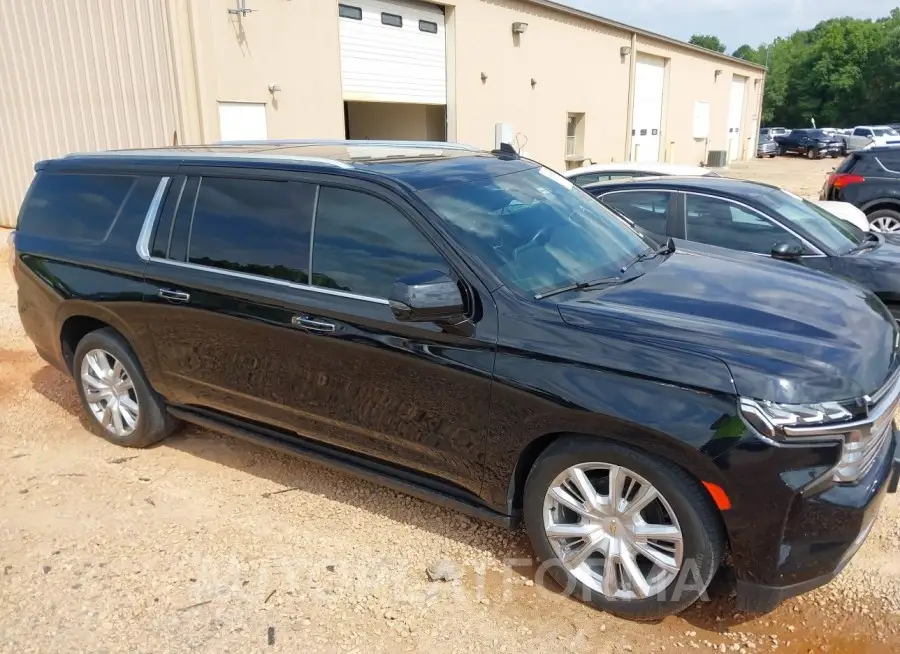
(207,543)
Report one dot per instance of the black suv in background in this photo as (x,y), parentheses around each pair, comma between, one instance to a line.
(870,180)
(471,328)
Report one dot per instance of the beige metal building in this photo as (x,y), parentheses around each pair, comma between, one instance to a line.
(565,86)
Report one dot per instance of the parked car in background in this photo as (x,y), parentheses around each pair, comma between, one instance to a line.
(766,146)
(630,169)
(760,219)
(633,170)
(869,179)
(811,143)
(774,131)
(867,136)
(473,329)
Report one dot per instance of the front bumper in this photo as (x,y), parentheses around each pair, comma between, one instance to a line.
(803,535)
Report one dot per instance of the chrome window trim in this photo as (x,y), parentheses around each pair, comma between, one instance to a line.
(143,242)
(143,250)
(817,252)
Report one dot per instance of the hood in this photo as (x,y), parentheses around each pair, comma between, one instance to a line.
(787,333)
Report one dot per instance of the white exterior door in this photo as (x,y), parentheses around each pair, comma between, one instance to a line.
(649,81)
(242,121)
(735,113)
(393,51)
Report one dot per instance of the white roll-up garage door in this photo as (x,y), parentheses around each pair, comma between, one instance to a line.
(393,51)
(649,84)
(735,114)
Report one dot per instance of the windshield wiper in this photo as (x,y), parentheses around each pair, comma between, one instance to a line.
(577,286)
(668,248)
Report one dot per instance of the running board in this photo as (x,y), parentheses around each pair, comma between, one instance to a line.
(400,480)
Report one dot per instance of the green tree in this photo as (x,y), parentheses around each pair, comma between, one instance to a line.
(708,41)
(842,72)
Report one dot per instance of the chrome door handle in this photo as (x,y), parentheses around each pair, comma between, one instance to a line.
(173,296)
(312,325)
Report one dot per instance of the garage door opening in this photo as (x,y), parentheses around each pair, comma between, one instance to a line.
(395,121)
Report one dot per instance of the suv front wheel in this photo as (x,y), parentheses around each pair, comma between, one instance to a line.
(630,533)
(121,405)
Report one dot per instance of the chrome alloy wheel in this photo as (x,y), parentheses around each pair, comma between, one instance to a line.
(109,392)
(613,531)
(885,224)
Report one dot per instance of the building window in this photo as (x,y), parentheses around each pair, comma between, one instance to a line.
(348,11)
(575,136)
(427,26)
(391,19)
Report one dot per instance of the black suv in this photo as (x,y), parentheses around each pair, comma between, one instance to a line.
(870,180)
(471,328)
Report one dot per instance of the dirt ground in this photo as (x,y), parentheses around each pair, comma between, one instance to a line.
(207,543)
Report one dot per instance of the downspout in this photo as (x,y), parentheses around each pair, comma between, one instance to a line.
(629,120)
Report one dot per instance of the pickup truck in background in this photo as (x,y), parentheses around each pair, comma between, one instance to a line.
(811,143)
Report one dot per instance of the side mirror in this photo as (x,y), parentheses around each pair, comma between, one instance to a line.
(428,297)
(787,252)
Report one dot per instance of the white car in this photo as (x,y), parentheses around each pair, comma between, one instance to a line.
(865,136)
(607,171)
(630,169)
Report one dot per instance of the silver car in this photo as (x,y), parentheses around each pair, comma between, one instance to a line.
(766,145)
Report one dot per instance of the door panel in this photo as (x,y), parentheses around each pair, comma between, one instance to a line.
(255,341)
(649,84)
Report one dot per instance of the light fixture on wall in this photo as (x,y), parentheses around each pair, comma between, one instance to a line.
(625,50)
(519,27)
(274,88)
(533,82)
(483,78)
(719,71)
(242,9)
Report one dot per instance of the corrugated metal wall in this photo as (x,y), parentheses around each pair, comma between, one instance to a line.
(79,75)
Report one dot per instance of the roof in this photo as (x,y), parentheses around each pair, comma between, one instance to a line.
(651,35)
(654,168)
(716,185)
(418,164)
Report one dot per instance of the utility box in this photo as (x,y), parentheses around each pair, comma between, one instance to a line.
(717,159)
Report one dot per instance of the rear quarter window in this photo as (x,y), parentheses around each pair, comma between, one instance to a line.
(74,206)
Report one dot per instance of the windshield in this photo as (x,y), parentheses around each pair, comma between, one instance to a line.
(884,131)
(537,230)
(833,232)
(818,134)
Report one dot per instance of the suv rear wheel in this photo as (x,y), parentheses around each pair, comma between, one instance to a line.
(630,533)
(121,405)
(885,221)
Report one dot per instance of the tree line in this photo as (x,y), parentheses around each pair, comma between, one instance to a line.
(842,72)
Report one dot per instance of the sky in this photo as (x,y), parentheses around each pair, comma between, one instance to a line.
(735,22)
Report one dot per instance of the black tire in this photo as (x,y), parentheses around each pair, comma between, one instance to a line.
(772,156)
(702,531)
(781,151)
(811,154)
(153,421)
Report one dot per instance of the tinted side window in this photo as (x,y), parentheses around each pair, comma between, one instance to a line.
(891,161)
(363,244)
(159,243)
(181,229)
(253,226)
(646,208)
(718,222)
(589,178)
(75,206)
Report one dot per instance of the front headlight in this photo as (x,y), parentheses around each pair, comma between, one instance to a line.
(861,433)
(770,418)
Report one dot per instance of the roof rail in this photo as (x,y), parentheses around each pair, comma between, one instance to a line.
(245,156)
